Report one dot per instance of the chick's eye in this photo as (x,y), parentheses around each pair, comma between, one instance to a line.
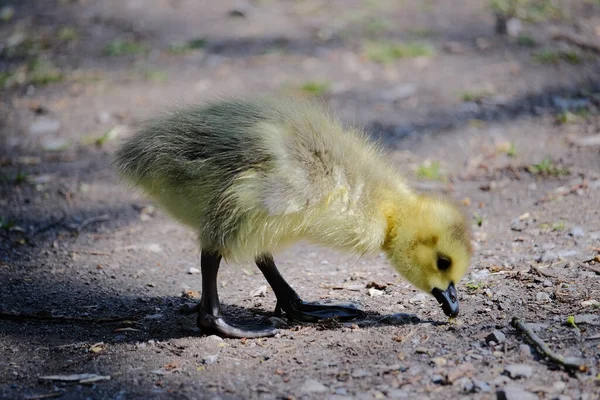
(443,263)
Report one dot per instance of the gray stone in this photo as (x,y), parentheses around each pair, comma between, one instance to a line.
(547,257)
(214,338)
(525,349)
(547,283)
(437,379)
(193,271)
(55,144)
(44,126)
(397,394)
(481,386)
(465,383)
(565,254)
(399,92)
(496,336)
(360,373)
(342,391)
(312,386)
(590,319)
(577,231)
(210,359)
(542,297)
(513,392)
(517,371)
(514,27)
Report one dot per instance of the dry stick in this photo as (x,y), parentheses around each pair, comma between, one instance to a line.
(91,220)
(62,318)
(577,40)
(586,266)
(567,362)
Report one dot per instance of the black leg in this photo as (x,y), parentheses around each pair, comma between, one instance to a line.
(210,319)
(293,306)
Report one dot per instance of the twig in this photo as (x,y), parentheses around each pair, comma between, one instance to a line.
(50,395)
(577,40)
(535,340)
(91,220)
(16,316)
(586,266)
(92,252)
(594,337)
(542,273)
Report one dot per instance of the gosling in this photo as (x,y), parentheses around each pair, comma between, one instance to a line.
(253,175)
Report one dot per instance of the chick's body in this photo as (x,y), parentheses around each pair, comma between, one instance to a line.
(251,176)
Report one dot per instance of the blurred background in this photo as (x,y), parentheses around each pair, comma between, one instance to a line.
(492,101)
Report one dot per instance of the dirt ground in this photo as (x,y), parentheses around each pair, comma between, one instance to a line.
(507,125)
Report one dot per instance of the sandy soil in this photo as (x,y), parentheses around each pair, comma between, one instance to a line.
(77,247)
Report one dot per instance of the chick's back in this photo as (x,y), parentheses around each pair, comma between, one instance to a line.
(266,167)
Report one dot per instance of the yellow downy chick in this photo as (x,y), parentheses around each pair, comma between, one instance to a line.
(251,176)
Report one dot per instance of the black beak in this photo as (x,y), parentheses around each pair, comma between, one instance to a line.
(448,299)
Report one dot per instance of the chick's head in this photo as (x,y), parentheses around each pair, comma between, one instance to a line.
(429,244)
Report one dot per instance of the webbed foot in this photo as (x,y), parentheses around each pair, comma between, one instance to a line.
(318,310)
(217,325)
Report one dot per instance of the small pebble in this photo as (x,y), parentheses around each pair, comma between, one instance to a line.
(542,297)
(547,283)
(210,359)
(591,319)
(481,386)
(439,361)
(438,379)
(312,386)
(360,373)
(214,338)
(465,383)
(514,27)
(577,231)
(525,349)
(375,292)
(513,392)
(44,126)
(193,271)
(496,336)
(517,371)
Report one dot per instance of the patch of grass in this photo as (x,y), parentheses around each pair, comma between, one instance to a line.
(6,13)
(552,56)
(43,72)
(21,45)
(478,219)
(472,286)
(315,88)
(475,96)
(512,150)
(422,33)
(526,41)
(21,177)
(430,170)
(547,167)
(6,223)
(558,226)
(67,34)
(386,52)
(119,47)
(377,26)
(571,117)
(528,10)
(5,78)
(187,47)
(155,75)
